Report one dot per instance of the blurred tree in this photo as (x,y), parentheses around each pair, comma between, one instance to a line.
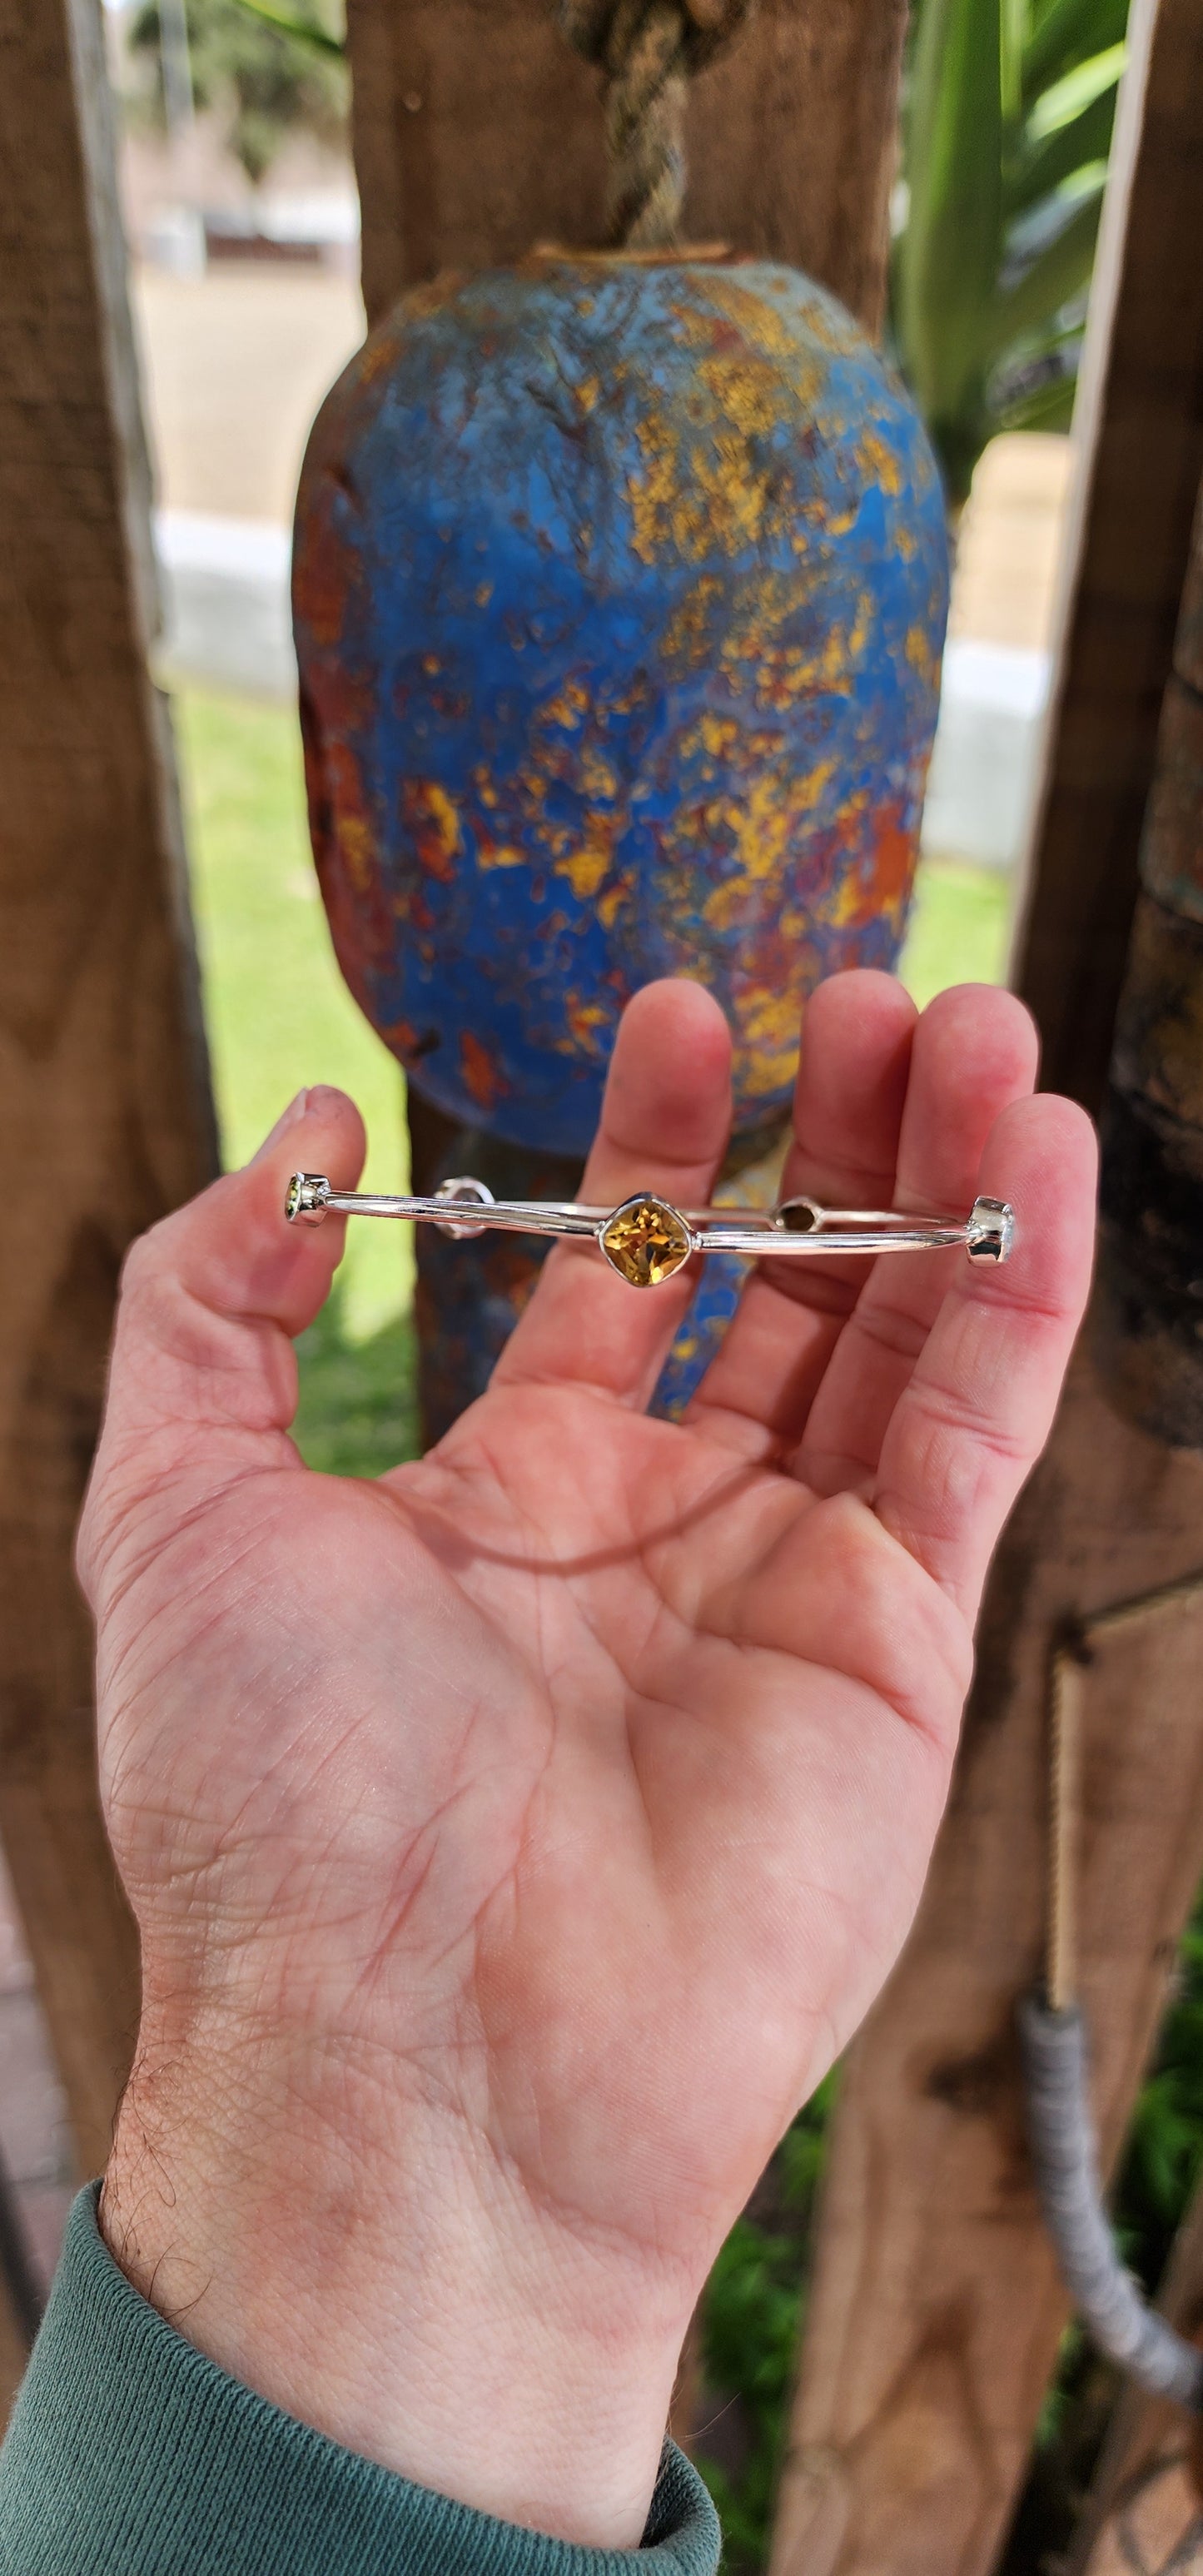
(263,73)
(1007,128)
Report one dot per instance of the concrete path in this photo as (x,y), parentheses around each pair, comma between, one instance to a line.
(234,366)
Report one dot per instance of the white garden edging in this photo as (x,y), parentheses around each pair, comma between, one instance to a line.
(226,620)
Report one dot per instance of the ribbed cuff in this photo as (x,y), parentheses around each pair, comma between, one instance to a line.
(131,2454)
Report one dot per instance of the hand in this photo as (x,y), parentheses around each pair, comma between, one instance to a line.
(515,1841)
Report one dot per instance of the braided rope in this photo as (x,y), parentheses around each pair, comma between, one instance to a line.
(1065,1758)
(648,50)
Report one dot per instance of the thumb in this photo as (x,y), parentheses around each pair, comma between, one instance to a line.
(202,1375)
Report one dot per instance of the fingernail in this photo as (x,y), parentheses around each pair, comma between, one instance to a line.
(290,1117)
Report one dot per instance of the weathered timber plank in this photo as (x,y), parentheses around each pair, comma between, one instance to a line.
(477,132)
(102,1071)
(1146,2480)
(936,2309)
(18,2301)
(1140,427)
(14,2353)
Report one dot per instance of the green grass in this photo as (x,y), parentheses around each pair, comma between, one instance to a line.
(960,925)
(277,1010)
(279,1016)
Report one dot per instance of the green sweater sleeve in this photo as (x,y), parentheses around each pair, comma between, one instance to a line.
(131,2454)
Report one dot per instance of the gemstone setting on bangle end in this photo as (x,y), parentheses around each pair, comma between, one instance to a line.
(305,1201)
(990,1233)
(645,1241)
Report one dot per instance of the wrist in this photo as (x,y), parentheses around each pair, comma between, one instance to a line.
(367,2264)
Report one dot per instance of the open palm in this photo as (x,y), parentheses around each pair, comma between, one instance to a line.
(537,1823)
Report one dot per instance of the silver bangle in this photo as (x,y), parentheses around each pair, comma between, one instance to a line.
(646,1238)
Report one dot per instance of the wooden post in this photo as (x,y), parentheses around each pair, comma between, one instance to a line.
(107,1116)
(1148,2475)
(936,2309)
(477,133)
(18,2301)
(1139,427)
(14,2354)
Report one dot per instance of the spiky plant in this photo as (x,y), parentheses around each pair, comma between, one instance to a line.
(1007,129)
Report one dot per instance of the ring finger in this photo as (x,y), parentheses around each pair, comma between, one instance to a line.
(974,1053)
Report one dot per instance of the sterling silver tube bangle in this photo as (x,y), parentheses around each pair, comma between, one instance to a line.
(646,1239)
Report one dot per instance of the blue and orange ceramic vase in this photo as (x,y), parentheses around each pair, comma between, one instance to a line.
(620,589)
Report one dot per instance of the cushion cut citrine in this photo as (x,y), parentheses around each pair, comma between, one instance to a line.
(646,1240)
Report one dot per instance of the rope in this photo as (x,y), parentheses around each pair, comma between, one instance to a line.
(648,50)
(1053,2039)
(1065,1738)
(1072,1656)
(1065,2158)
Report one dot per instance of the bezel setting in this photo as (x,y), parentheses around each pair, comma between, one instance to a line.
(646,1240)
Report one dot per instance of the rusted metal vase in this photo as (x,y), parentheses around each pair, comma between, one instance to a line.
(620,590)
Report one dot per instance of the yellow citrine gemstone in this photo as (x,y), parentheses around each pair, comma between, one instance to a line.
(645,1241)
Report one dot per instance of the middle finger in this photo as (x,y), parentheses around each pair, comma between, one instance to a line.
(848,1106)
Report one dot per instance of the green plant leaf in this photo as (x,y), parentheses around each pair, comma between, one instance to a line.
(1041,166)
(1058,273)
(1076,90)
(1067,33)
(1014,27)
(1048,406)
(303,30)
(1010,106)
(949,254)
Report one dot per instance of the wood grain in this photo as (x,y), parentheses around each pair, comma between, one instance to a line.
(21,2301)
(1140,429)
(936,2309)
(1148,2463)
(14,2353)
(477,132)
(108,1120)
